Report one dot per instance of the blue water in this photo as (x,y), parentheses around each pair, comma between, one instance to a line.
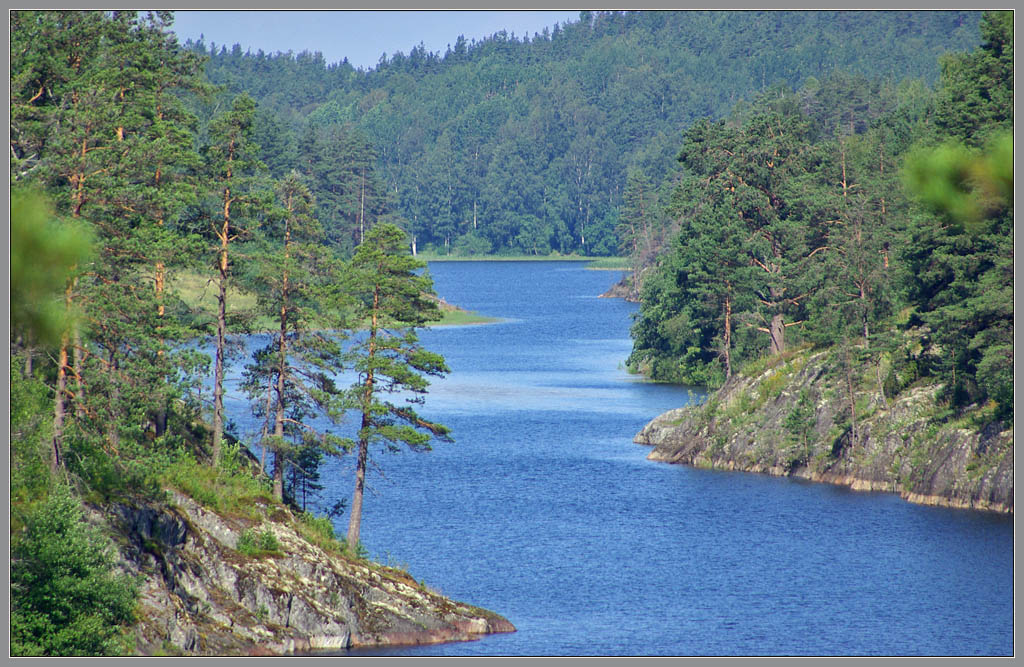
(544,510)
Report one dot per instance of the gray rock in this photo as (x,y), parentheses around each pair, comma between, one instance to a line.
(899,447)
(200,596)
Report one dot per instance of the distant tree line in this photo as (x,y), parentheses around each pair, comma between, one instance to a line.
(524,144)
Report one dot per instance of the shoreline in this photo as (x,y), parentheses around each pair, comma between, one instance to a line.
(594,263)
(851,482)
(900,448)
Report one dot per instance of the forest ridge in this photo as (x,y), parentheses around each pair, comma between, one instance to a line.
(523,145)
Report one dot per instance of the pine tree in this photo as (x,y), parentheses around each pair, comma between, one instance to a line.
(90,89)
(291,379)
(232,163)
(961,254)
(392,301)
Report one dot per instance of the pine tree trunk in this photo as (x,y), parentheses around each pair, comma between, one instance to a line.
(218,372)
(77,367)
(727,343)
(778,334)
(59,405)
(279,475)
(279,418)
(160,415)
(850,393)
(356,513)
(282,367)
(60,394)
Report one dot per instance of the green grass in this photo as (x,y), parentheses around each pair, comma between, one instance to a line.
(435,257)
(229,490)
(754,367)
(199,293)
(595,263)
(462,317)
(610,264)
(255,545)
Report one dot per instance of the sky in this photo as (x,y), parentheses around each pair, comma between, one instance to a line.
(360,36)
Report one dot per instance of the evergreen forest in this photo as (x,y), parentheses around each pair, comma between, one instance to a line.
(522,145)
(777,180)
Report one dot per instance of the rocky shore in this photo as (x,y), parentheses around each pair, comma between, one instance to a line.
(202,596)
(623,289)
(792,419)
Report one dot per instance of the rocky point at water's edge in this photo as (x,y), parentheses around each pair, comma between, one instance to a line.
(899,449)
(200,596)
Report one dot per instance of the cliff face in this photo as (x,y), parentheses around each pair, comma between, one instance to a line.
(202,597)
(794,419)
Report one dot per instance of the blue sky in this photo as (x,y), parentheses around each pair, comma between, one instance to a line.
(360,36)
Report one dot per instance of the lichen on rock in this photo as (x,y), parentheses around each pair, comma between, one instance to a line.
(900,446)
(200,596)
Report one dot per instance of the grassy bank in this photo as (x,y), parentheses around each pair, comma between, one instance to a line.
(610,264)
(435,257)
(597,263)
(200,294)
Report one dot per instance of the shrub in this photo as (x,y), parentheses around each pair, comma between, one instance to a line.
(252,544)
(66,597)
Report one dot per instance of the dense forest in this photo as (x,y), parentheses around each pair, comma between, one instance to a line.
(770,183)
(124,210)
(524,145)
(841,214)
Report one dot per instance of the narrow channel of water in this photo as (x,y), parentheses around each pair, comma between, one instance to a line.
(544,510)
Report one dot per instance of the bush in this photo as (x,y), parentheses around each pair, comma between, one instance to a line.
(251,543)
(66,597)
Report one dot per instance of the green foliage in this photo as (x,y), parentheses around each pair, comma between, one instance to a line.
(31,430)
(799,425)
(975,95)
(67,599)
(359,553)
(38,239)
(961,274)
(320,526)
(255,544)
(966,185)
(786,218)
(794,221)
(291,378)
(233,489)
(526,145)
(771,387)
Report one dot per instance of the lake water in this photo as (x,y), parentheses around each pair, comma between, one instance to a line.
(546,512)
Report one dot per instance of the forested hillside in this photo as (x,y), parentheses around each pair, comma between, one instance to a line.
(879,221)
(126,209)
(525,144)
